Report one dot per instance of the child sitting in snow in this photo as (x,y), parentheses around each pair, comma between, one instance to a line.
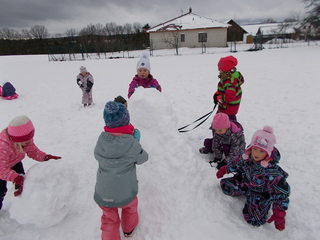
(143,78)
(85,82)
(229,93)
(227,142)
(259,178)
(15,142)
(7,91)
(117,153)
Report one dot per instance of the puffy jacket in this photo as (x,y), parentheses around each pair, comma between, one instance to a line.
(230,91)
(233,137)
(143,82)
(86,81)
(117,183)
(256,180)
(10,155)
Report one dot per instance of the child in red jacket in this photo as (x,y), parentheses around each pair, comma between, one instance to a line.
(15,142)
(229,91)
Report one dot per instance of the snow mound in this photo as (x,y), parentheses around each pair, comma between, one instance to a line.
(48,195)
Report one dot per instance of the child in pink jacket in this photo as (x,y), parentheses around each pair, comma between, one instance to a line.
(143,78)
(15,142)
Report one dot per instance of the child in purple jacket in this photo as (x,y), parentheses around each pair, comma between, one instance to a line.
(143,78)
(227,141)
(258,177)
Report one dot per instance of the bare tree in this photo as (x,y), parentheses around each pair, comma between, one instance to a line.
(311,24)
(127,28)
(39,32)
(172,39)
(71,32)
(9,34)
(137,27)
(25,34)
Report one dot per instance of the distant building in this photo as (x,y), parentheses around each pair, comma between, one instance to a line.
(235,32)
(188,30)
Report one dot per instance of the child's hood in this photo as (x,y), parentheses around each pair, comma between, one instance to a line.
(109,146)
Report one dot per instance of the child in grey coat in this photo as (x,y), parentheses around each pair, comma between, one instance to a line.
(117,152)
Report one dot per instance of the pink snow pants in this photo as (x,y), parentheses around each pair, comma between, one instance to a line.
(110,221)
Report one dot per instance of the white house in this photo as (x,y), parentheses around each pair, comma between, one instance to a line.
(188,30)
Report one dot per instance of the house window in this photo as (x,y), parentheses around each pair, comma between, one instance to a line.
(202,37)
(182,37)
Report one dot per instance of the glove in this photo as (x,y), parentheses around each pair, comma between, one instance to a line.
(222,171)
(88,90)
(136,134)
(48,157)
(215,160)
(278,218)
(18,185)
(216,97)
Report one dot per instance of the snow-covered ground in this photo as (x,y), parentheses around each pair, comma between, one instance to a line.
(179,194)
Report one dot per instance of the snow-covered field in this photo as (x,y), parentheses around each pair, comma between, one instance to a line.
(179,194)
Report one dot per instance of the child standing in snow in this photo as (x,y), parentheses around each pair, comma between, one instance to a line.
(117,153)
(229,93)
(227,142)
(85,82)
(259,178)
(7,91)
(143,77)
(15,142)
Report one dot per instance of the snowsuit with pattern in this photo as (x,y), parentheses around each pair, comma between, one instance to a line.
(263,187)
(141,82)
(86,83)
(230,144)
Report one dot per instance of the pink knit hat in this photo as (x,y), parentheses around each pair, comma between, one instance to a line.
(21,129)
(83,69)
(227,63)
(262,139)
(220,121)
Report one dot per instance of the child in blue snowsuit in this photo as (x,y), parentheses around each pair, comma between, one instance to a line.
(7,91)
(259,178)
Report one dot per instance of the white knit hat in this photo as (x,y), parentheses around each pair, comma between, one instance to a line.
(83,69)
(144,62)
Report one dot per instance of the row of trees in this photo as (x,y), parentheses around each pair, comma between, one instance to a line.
(93,38)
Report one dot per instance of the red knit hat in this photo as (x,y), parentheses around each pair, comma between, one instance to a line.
(221,121)
(21,129)
(227,63)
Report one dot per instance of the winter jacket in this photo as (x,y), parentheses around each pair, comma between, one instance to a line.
(233,137)
(85,82)
(256,181)
(146,83)
(230,91)
(117,156)
(11,155)
(8,90)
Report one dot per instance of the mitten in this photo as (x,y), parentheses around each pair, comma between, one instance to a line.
(216,97)
(278,218)
(222,171)
(136,134)
(88,90)
(215,160)
(18,185)
(48,157)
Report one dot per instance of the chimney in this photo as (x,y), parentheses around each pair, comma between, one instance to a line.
(190,10)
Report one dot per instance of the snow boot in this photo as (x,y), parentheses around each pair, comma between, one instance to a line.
(129,234)
(204,150)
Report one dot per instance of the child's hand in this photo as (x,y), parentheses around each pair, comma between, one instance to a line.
(222,171)
(48,157)
(18,185)
(136,134)
(279,220)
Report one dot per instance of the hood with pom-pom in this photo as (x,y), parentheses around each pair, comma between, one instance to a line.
(144,62)
(263,139)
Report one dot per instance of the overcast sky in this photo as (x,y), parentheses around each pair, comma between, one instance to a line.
(59,15)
